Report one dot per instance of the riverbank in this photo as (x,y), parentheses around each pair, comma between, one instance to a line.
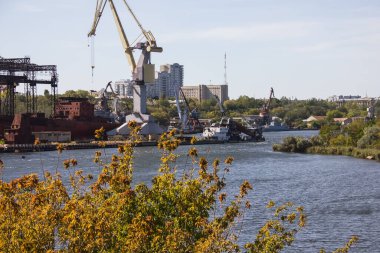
(313,146)
(23,148)
(370,154)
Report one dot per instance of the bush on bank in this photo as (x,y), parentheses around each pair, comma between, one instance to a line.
(361,140)
(188,213)
(372,154)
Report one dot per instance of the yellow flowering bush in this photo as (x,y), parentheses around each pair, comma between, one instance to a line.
(109,213)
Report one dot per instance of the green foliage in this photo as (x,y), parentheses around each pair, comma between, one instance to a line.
(373,154)
(44,104)
(341,140)
(77,94)
(329,131)
(355,130)
(334,114)
(370,138)
(354,110)
(279,112)
(243,104)
(163,103)
(296,114)
(161,116)
(359,139)
(293,144)
(377,109)
(317,124)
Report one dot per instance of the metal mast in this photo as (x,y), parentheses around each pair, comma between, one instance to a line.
(225,68)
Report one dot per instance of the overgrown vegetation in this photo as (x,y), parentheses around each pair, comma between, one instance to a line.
(188,213)
(359,139)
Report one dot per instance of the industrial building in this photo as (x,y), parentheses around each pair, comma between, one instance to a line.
(203,92)
(74,108)
(361,101)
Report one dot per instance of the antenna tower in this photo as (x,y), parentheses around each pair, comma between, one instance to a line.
(225,68)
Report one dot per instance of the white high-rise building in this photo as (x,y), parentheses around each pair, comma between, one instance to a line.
(124,88)
(168,79)
(163,83)
(176,79)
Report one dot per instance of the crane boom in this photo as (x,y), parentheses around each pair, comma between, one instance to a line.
(222,111)
(148,34)
(143,70)
(264,112)
(123,38)
(271,96)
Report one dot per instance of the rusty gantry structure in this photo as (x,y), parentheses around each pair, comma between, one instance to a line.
(15,71)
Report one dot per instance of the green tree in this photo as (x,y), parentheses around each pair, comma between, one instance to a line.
(334,114)
(77,94)
(355,130)
(329,131)
(161,116)
(370,138)
(47,94)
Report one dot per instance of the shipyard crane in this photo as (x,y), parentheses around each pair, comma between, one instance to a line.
(264,112)
(142,71)
(189,119)
(221,107)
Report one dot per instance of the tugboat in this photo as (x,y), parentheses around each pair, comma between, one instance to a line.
(215,132)
(230,130)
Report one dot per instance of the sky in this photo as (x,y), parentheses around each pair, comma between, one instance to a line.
(302,48)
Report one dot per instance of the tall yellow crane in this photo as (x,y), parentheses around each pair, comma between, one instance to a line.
(143,71)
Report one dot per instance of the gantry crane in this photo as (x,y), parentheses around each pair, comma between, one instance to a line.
(143,71)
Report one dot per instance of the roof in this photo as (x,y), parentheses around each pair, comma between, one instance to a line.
(314,118)
(340,119)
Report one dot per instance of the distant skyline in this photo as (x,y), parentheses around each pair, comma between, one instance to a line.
(303,49)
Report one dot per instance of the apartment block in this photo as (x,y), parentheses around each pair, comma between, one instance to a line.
(168,79)
(124,88)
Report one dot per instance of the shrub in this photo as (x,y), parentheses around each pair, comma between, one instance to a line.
(293,144)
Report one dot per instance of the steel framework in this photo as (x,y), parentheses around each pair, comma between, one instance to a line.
(14,71)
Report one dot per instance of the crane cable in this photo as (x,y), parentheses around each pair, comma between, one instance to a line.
(100,5)
(91,45)
(92,57)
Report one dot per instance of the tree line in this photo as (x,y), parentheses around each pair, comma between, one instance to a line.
(291,111)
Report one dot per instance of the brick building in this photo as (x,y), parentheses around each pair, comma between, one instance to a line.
(74,108)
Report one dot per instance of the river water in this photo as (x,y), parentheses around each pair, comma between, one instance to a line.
(341,195)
